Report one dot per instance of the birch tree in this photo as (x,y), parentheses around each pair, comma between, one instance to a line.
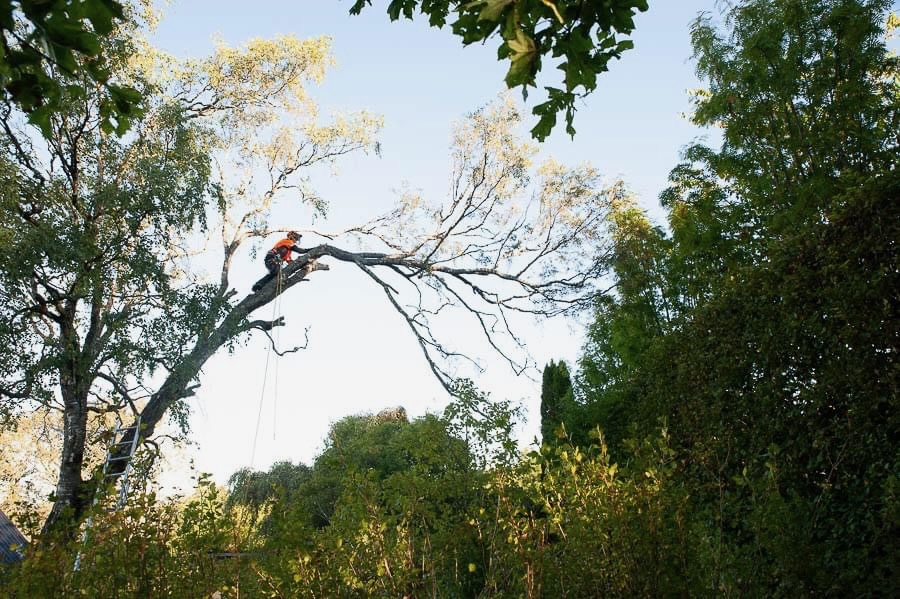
(104,310)
(97,300)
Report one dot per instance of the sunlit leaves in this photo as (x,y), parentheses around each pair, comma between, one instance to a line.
(541,228)
(122,219)
(523,57)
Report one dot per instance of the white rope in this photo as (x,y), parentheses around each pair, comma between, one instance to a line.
(276,305)
(277,343)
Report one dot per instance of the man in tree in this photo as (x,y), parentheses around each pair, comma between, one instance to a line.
(280,252)
(126,328)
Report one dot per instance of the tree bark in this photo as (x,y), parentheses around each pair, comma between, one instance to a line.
(71,500)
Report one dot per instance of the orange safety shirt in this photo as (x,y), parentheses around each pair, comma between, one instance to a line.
(283,249)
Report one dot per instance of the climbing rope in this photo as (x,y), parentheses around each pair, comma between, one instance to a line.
(276,344)
(276,313)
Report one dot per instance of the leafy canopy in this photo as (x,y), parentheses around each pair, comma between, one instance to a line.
(762,325)
(101,311)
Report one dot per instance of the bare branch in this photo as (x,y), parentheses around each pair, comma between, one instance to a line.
(443,377)
(123,392)
(287,351)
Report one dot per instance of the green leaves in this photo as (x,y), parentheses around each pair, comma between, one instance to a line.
(559,101)
(523,60)
(490,9)
(556,401)
(57,41)
(123,106)
(396,7)
(581,33)
(102,15)
(757,326)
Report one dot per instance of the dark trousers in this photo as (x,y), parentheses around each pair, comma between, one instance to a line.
(273,265)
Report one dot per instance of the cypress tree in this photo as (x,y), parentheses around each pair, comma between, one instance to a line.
(556,394)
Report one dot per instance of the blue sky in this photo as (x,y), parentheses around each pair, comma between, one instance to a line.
(421,79)
(360,358)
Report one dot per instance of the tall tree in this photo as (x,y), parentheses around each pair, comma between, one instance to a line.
(781,267)
(96,303)
(101,311)
(556,399)
(805,93)
(90,222)
(641,305)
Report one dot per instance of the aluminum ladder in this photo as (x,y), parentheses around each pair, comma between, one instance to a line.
(121,479)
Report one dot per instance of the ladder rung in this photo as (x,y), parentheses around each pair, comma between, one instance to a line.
(114,474)
(119,459)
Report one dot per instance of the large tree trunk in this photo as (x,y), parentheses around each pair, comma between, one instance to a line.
(70,501)
(71,498)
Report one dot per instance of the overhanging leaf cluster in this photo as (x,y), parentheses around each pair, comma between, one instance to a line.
(52,49)
(582,34)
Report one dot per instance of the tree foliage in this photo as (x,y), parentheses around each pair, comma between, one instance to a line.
(427,523)
(582,34)
(103,311)
(97,305)
(52,51)
(381,448)
(750,326)
(556,399)
(734,421)
(510,239)
(89,224)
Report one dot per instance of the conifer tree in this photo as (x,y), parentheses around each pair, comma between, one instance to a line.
(556,399)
